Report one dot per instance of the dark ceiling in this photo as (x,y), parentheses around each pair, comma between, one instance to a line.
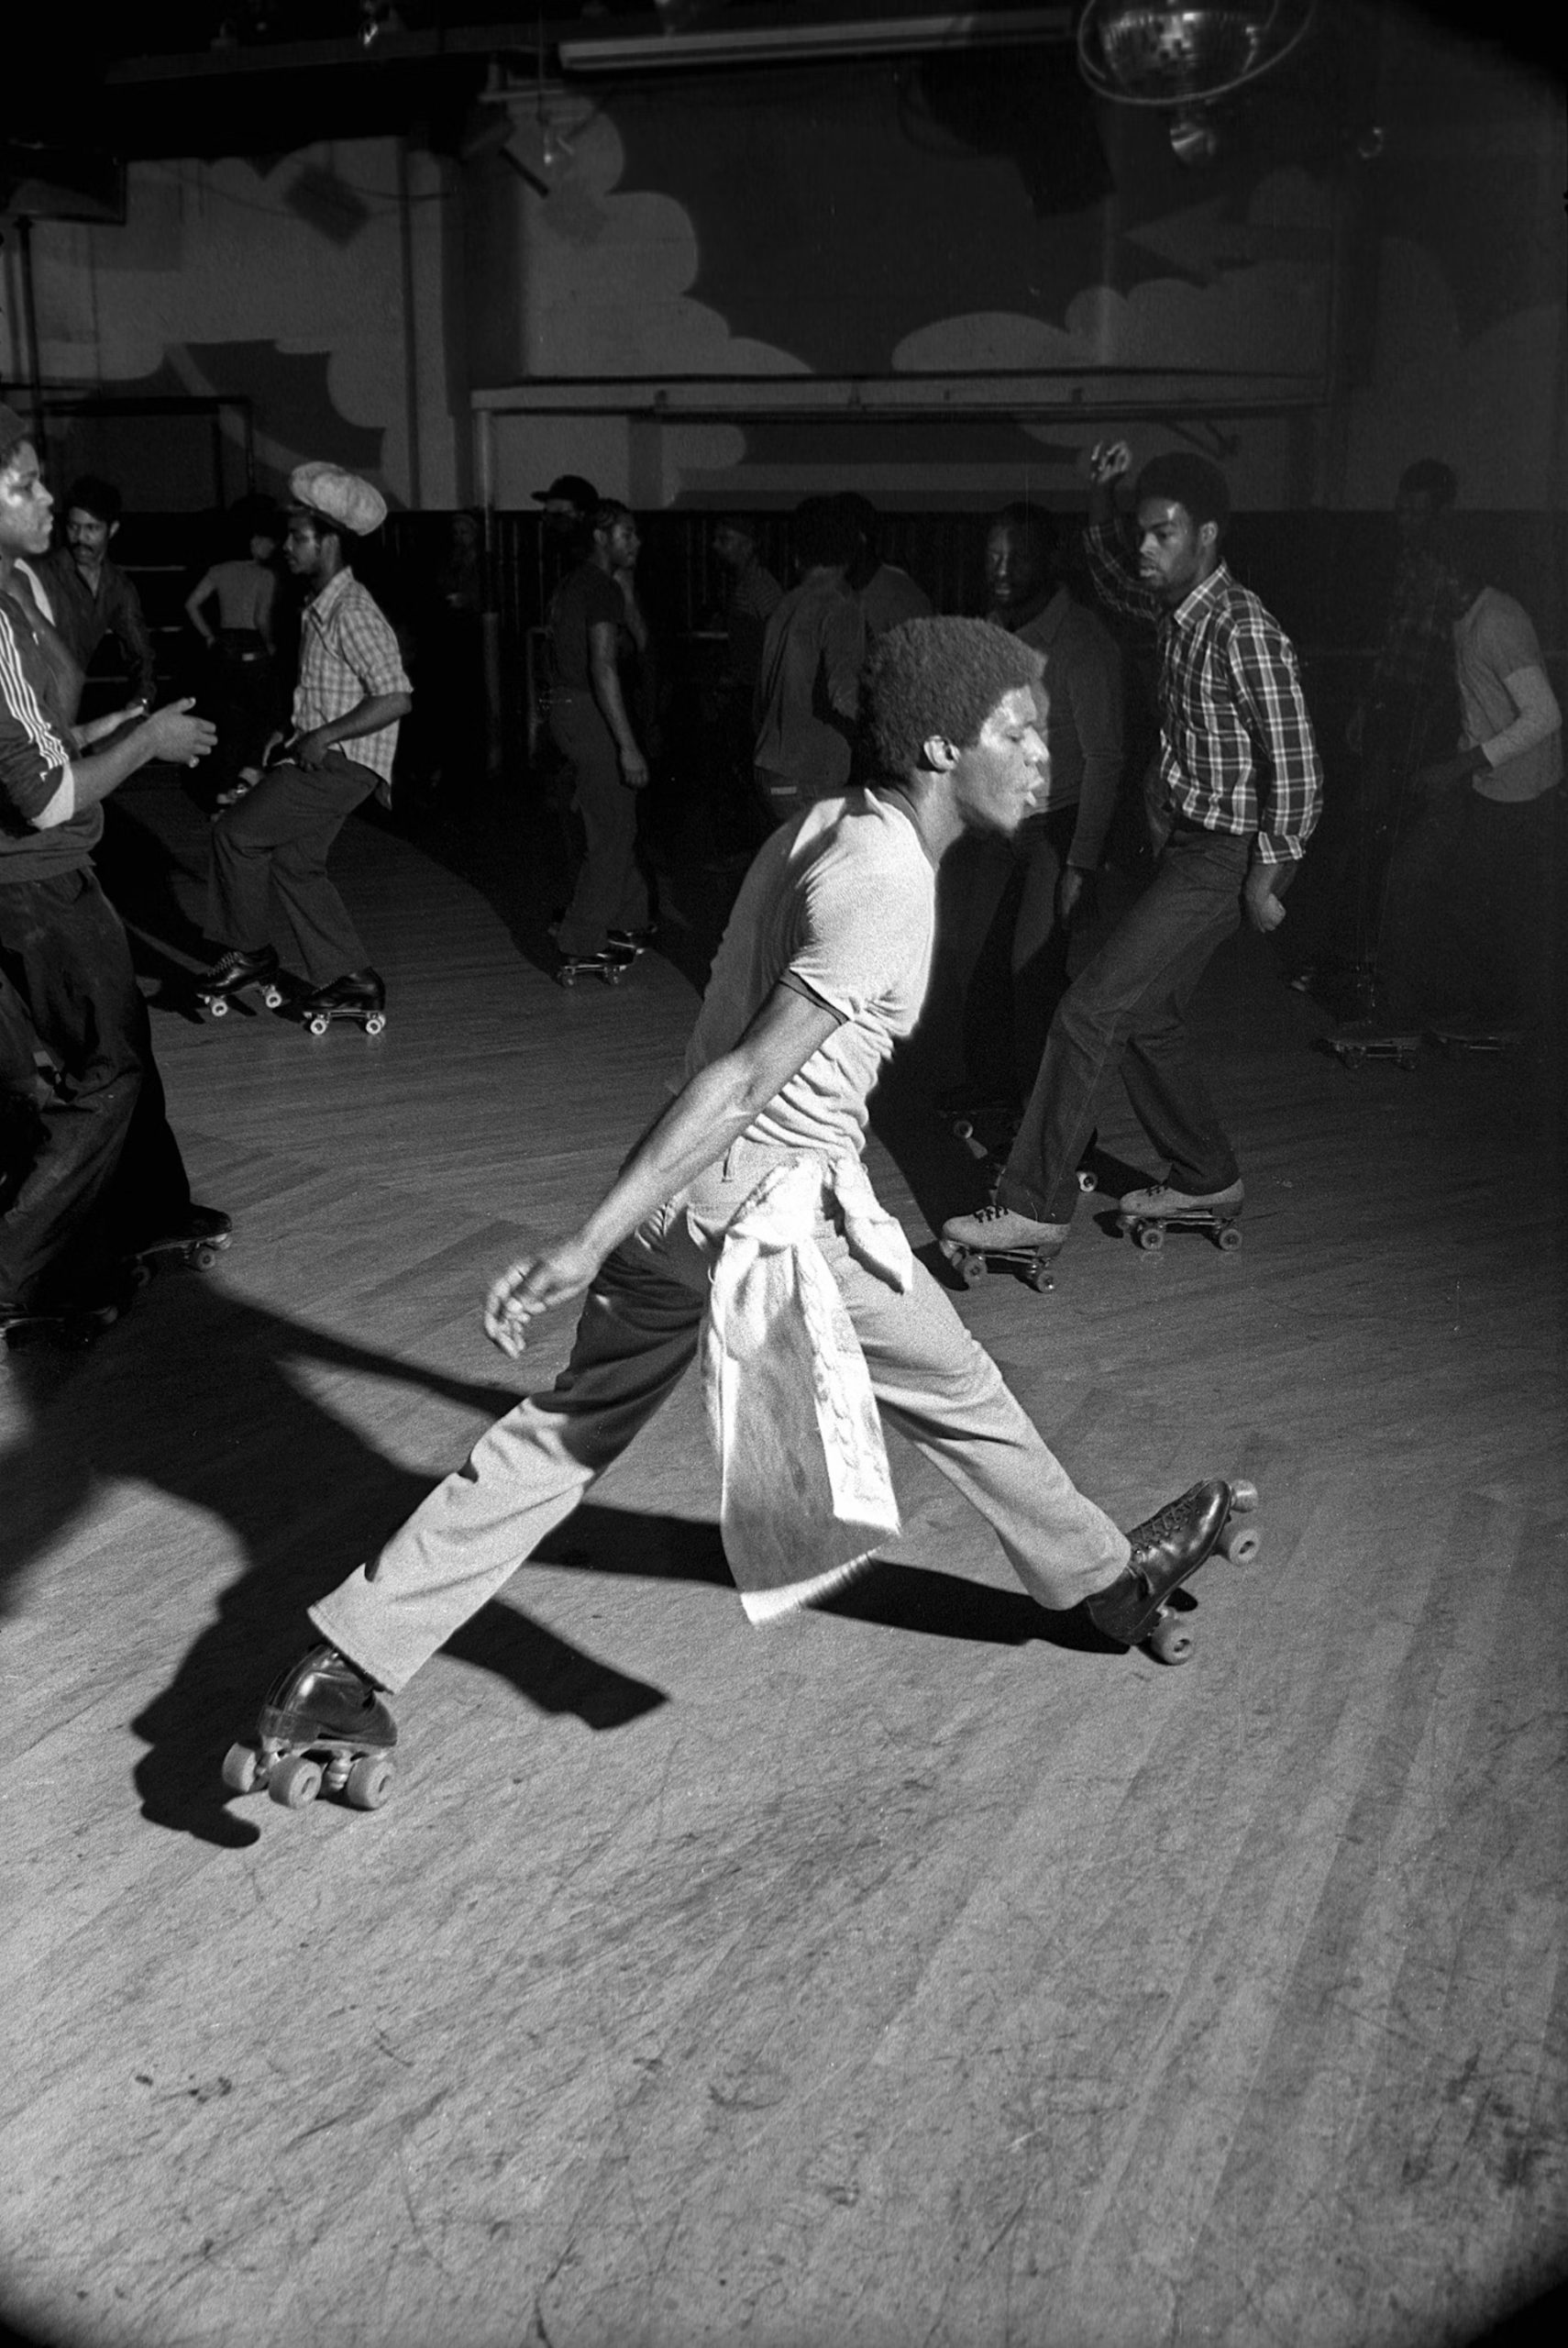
(209,77)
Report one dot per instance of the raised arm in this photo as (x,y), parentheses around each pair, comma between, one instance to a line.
(1116,586)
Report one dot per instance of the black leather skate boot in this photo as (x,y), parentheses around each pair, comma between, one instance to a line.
(1167,1549)
(323,1724)
(355,990)
(238,967)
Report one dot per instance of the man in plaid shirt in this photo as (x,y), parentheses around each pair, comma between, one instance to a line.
(1240,790)
(270,850)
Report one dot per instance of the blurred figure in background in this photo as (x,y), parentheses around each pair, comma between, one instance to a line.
(238,638)
(885,594)
(751,596)
(597,634)
(807,691)
(1008,907)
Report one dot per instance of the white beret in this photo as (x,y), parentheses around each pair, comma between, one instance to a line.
(342,497)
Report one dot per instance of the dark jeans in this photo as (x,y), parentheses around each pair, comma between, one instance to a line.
(1127,1009)
(243,697)
(611,892)
(270,856)
(1471,899)
(107,1175)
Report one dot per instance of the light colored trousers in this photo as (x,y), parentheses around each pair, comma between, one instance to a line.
(638,1332)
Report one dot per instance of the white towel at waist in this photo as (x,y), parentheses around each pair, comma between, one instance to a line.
(806,1497)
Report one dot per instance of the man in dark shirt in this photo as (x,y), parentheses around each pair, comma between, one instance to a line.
(102,1177)
(1042,881)
(1240,791)
(808,693)
(594,621)
(91,596)
(1409,711)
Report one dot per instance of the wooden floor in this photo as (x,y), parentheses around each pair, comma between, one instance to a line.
(910,1975)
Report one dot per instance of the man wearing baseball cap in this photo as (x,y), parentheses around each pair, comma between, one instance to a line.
(269,851)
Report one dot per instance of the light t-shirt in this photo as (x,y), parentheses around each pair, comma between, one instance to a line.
(1507,704)
(840,906)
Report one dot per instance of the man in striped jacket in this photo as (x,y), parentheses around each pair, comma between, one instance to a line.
(93,1174)
(1240,791)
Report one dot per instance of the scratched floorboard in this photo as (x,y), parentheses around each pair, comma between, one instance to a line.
(912,1973)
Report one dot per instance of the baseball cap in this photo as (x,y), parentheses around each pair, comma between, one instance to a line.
(573,488)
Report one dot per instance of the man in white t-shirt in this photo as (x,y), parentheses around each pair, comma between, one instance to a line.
(1468,934)
(743,1223)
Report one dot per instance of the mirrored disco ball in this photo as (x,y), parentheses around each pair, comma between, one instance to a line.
(1161,50)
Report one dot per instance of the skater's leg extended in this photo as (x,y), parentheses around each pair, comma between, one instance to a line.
(637,1333)
(943,1390)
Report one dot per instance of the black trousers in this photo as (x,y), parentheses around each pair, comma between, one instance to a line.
(106,1174)
(269,864)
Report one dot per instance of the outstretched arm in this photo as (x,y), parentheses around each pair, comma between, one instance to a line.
(688,1137)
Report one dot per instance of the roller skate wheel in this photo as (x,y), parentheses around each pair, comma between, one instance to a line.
(217,1005)
(1039,1277)
(1240,1543)
(614,972)
(1087,1183)
(375,1023)
(565,978)
(296,1781)
(1229,1238)
(1170,1641)
(369,1781)
(966,1262)
(272,997)
(1150,1236)
(1244,1496)
(203,1257)
(319,1023)
(242,1768)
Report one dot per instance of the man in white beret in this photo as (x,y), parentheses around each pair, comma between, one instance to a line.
(270,850)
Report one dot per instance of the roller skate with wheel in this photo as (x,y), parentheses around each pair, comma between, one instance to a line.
(216,988)
(1462,1035)
(71,1315)
(629,943)
(1145,1216)
(323,1726)
(195,1241)
(1168,1549)
(997,1235)
(606,965)
(358,994)
(1356,1042)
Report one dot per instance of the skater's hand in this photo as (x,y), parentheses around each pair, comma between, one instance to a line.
(1264,908)
(309,750)
(634,770)
(531,1286)
(174,735)
(1108,461)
